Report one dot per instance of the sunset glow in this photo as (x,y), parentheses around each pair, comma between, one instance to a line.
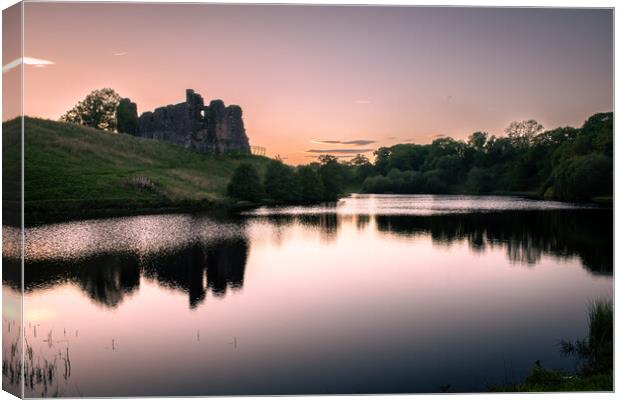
(328,79)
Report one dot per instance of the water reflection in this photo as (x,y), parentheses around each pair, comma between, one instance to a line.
(196,269)
(526,235)
(218,264)
(108,278)
(331,302)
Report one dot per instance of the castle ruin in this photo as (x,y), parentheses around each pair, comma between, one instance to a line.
(215,128)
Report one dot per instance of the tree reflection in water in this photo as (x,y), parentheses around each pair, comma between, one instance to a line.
(526,235)
(219,265)
(108,279)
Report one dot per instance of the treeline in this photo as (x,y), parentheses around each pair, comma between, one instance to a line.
(571,164)
(283,184)
(564,163)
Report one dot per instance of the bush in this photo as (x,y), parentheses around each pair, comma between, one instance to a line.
(478,180)
(281,183)
(245,184)
(435,181)
(376,184)
(311,186)
(583,177)
(596,350)
(332,176)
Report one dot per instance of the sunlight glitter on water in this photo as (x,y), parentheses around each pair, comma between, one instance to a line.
(141,235)
(374,204)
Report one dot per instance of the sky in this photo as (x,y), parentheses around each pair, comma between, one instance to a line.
(356,77)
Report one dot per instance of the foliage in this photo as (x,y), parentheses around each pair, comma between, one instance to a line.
(281,183)
(521,134)
(332,176)
(563,163)
(311,186)
(127,117)
(97,110)
(581,177)
(541,379)
(478,180)
(596,351)
(245,184)
(362,168)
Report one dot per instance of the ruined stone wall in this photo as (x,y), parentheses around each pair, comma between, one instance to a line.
(210,129)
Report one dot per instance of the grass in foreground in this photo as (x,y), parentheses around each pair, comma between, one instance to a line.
(595,353)
(70,167)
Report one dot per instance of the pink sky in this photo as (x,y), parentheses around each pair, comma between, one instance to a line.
(382,74)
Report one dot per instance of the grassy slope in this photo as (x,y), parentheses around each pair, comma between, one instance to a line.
(72,168)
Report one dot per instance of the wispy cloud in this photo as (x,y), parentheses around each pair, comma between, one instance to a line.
(362,101)
(121,53)
(347,156)
(356,142)
(338,151)
(37,62)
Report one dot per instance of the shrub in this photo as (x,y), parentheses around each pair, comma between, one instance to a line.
(245,184)
(583,177)
(281,183)
(311,186)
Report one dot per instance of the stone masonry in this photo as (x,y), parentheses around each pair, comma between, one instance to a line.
(209,129)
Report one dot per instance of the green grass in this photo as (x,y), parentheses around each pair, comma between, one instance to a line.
(541,379)
(596,353)
(71,168)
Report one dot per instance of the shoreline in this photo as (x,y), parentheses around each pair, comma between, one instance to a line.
(40,212)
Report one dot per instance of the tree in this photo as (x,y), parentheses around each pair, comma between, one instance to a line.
(97,110)
(477,140)
(522,133)
(281,183)
(331,176)
(310,184)
(580,178)
(362,167)
(127,117)
(382,160)
(377,184)
(478,180)
(245,184)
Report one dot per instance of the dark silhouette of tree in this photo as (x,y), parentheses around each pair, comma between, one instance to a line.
(331,172)
(477,140)
(281,183)
(522,133)
(551,163)
(382,160)
(127,117)
(362,167)
(97,110)
(245,184)
(310,183)
(582,177)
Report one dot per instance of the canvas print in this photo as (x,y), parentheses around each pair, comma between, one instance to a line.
(230,199)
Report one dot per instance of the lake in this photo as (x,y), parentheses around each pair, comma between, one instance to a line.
(377,294)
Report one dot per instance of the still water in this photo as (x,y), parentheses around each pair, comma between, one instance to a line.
(378,294)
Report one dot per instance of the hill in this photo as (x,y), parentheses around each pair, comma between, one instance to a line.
(73,170)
